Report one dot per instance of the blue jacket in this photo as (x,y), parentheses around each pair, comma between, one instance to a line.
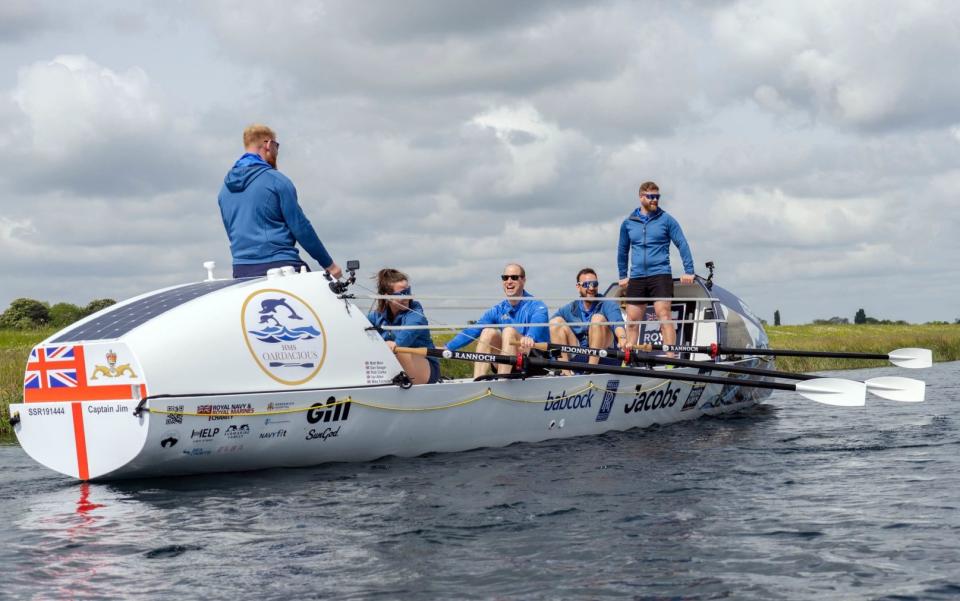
(575,311)
(525,311)
(647,238)
(410,338)
(262,217)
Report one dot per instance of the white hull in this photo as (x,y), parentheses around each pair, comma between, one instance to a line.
(269,351)
(295,429)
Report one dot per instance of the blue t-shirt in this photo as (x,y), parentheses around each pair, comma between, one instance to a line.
(503,313)
(576,311)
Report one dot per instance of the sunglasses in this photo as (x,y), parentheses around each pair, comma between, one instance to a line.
(510,277)
(589,285)
(405,292)
(653,196)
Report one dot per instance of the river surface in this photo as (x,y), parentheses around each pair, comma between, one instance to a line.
(790,500)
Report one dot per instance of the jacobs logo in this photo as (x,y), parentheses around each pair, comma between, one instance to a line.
(652,400)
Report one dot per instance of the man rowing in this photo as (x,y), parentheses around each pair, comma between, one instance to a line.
(587,310)
(645,237)
(517,308)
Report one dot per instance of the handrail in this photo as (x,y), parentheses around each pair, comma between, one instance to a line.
(534,324)
(596,299)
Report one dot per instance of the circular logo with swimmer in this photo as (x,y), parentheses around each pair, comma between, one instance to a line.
(284,335)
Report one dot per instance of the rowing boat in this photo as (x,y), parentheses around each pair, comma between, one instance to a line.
(285,370)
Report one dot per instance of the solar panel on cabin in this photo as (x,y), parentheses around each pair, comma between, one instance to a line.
(118,322)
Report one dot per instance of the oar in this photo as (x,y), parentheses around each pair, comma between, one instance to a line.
(913,358)
(893,388)
(829,391)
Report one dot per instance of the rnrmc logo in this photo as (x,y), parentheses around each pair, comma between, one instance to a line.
(651,400)
(694,397)
(284,335)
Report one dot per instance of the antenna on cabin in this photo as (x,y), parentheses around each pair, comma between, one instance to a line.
(209,265)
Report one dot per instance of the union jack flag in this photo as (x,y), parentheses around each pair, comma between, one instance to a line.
(52,367)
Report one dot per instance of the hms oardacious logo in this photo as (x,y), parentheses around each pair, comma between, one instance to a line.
(284,335)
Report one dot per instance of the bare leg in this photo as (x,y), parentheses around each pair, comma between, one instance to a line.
(634,313)
(511,342)
(668,331)
(417,367)
(560,333)
(598,336)
(490,341)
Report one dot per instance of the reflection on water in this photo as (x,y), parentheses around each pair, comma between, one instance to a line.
(789,500)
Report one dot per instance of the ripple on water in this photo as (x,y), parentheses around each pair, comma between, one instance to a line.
(790,500)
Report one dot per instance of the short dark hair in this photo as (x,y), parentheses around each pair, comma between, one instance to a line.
(647,186)
(583,271)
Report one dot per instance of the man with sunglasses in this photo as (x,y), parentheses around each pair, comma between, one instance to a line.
(645,238)
(517,308)
(260,212)
(587,310)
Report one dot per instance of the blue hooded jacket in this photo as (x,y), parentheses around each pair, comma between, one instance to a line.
(647,240)
(525,311)
(263,219)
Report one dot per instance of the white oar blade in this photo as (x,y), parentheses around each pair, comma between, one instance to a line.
(913,358)
(834,391)
(905,390)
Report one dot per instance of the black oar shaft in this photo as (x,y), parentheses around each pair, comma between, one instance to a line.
(640,359)
(798,353)
(661,375)
(715,349)
(602,369)
(733,369)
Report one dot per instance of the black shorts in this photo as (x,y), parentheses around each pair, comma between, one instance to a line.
(651,286)
(254,270)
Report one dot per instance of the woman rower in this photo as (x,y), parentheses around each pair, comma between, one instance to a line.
(406,312)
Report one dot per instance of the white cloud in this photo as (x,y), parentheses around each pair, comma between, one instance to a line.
(805,147)
(71,102)
(536,148)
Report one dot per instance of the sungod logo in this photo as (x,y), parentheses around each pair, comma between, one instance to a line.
(562,401)
(658,399)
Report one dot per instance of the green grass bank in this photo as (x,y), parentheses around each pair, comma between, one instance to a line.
(944,340)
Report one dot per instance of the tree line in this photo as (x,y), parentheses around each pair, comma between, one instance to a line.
(860,317)
(28,313)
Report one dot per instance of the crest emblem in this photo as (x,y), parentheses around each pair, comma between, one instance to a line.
(284,335)
(111,369)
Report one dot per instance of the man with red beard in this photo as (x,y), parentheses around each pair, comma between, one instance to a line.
(260,212)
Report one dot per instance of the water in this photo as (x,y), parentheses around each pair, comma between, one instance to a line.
(793,500)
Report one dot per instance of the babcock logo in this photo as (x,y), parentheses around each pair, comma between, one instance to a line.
(652,400)
(562,401)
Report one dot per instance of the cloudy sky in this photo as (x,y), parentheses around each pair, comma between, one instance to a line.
(810,149)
